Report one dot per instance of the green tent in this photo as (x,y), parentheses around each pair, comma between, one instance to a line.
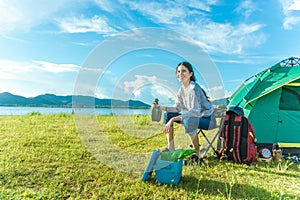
(271,101)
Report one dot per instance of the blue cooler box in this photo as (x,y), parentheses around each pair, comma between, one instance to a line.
(168,172)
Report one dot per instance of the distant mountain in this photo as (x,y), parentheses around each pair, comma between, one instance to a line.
(220,102)
(51,100)
(7,98)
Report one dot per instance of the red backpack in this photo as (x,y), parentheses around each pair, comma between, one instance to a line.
(238,142)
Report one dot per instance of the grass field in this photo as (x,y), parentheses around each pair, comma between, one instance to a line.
(43,157)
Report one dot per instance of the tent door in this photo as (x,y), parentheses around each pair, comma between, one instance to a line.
(288,130)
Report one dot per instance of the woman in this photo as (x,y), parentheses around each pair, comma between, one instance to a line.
(199,110)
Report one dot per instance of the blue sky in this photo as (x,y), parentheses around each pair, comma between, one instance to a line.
(44,44)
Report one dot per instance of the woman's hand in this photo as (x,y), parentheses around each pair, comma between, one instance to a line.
(164,108)
(170,123)
(168,126)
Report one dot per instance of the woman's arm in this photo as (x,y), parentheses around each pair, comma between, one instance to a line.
(170,109)
(176,108)
(170,123)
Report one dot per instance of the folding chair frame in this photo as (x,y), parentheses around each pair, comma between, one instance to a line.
(210,143)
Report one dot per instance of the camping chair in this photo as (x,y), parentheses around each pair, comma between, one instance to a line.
(211,142)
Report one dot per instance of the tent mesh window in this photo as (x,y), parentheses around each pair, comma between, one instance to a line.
(290,62)
(290,98)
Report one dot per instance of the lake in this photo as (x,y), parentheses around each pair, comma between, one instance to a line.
(10,110)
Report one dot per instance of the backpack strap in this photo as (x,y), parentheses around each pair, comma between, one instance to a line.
(237,138)
(224,136)
(251,131)
(252,148)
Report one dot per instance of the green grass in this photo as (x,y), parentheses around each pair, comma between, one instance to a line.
(43,157)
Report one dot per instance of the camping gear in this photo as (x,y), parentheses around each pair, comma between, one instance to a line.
(155,111)
(176,154)
(150,166)
(271,102)
(168,172)
(264,159)
(265,153)
(210,143)
(210,140)
(294,158)
(237,136)
(277,154)
(167,165)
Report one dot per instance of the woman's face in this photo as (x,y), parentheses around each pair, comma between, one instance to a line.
(183,74)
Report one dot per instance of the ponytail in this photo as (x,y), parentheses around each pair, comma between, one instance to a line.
(207,98)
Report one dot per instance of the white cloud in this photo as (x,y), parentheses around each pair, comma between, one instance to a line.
(102,93)
(166,13)
(55,68)
(165,94)
(290,10)
(188,18)
(216,92)
(295,5)
(83,25)
(22,15)
(285,4)
(161,91)
(146,88)
(134,86)
(226,38)
(12,66)
(37,77)
(196,4)
(228,94)
(290,21)
(170,11)
(106,5)
(14,69)
(246,8)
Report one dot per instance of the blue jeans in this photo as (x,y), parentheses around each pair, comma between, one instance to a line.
(191,124)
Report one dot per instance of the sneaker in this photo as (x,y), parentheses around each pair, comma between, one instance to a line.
(192,147)
(193,159)
(165,149)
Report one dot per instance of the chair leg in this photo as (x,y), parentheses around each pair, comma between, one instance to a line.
(210,143)
(214,138)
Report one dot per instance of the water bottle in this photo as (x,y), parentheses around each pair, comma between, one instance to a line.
(155,111)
